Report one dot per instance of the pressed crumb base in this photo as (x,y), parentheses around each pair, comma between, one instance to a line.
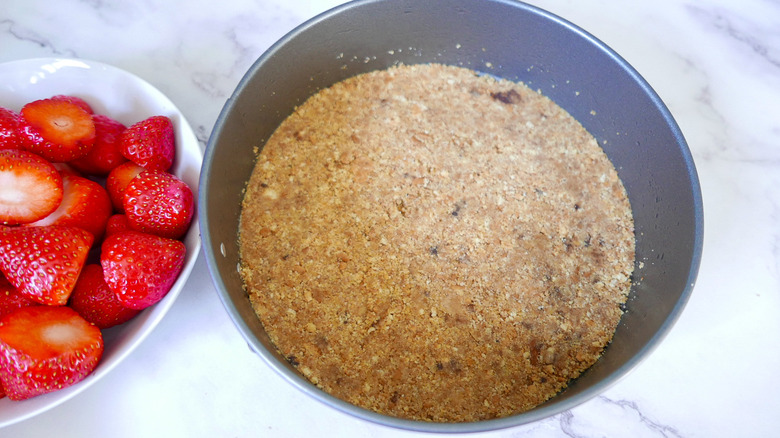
(436,245)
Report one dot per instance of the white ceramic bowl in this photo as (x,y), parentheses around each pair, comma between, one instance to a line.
(128,99)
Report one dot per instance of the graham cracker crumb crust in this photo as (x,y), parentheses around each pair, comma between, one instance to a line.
(436,245)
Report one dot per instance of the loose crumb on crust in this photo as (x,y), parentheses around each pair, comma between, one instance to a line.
(436,245)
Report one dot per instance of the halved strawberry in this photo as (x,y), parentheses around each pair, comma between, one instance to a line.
(159,203)
(95,302)
(117,182)
(11,299)
(46,348)
(150,143)
(85,204)
(75,100)
(141,268)
(105,154)
(9,124)
(116,224)
(44,262)
(57,130)
(30,187)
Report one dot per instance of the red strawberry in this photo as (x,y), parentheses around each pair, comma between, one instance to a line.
(85,204)
(46,348)
(141,268)
(57,130)
(9,124)
(30,187)
(44,262)
(116,224)
(66,169)
(11,299)
(105,154)
(75,100)
(150,143)
(95,302)
(159,203)
(117,182)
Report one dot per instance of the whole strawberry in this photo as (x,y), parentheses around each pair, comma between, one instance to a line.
(9,123)
(46,348)
(140,268)
(44,262)
(116,224)
(95,302)
(150,143)
(106,152)
(56,129)
(159,203)
(30,187)
(11,299)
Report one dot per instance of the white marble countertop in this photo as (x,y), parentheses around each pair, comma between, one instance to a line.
(715,63)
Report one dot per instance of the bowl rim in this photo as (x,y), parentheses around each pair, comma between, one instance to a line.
(540,412)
